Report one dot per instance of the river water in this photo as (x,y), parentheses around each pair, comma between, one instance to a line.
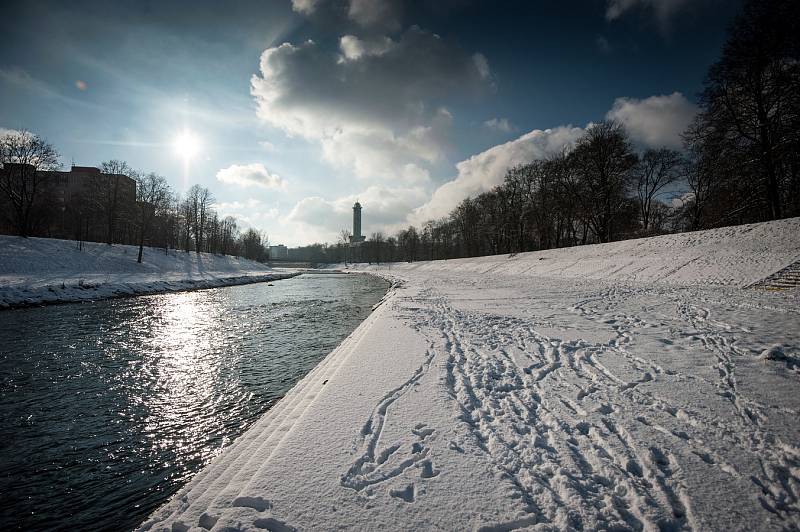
(108,408)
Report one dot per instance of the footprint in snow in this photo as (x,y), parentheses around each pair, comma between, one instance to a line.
(407,494)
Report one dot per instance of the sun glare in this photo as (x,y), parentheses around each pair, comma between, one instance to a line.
(187,144)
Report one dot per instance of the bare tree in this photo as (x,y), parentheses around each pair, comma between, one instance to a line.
(604,159)
(199,201)
(655,170)
(408,241)
(186,216)
(254,245)
(230,232)
(344,240)
(24,157)
(152,199)
(376,243)
(752,99)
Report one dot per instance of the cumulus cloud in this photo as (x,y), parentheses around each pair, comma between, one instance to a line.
(657,121)
(385,209)
(484,171)
(654,122)
(374,105)
(305,7)
(304,89)
(380,153)
(250,213)
(499,124)
(354,48)
(249,175)
(663,9)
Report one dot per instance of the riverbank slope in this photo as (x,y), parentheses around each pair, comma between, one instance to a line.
(35,271)
(636,386)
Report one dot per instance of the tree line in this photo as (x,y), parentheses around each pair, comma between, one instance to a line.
(740,163)
(104,208)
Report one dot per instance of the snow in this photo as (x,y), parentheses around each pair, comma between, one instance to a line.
(35,271)
(619,386)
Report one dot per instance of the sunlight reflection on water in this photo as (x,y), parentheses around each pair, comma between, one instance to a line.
(113,405)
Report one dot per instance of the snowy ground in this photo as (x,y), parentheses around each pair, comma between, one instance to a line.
(36,271)
(485,394)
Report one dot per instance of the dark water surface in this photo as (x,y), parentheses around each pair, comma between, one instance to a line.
(108,408)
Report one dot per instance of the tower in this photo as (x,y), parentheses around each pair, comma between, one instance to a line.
(357,237)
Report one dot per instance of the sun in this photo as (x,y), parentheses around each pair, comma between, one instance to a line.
(187,144)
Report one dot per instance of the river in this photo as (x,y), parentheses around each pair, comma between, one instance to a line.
(108,408)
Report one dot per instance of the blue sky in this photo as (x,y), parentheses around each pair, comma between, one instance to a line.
(300,107)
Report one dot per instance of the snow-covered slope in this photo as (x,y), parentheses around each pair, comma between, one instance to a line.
(45,270)
(498,394)
(736,256)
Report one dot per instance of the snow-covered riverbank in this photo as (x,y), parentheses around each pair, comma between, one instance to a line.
(638,388)
(37,271)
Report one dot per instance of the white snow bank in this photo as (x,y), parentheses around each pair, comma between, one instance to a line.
(475,399)
(44,270)
(733,256)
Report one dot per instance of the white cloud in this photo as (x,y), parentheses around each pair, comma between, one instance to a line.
(384,209)
(237,206)
(354,48)
(657,121)
(663,9)
(499,124)
(304,89)
(653,122)
(305,7)
(267,145)
(248,175)
(250,213)
(484,171)
(374,106)
(380,153)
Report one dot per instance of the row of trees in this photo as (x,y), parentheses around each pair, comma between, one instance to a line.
(38,200)
(740,164)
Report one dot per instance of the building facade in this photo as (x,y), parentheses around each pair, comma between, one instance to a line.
(73,204)
(278,252)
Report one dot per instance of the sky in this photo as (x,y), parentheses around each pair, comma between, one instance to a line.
(290,111)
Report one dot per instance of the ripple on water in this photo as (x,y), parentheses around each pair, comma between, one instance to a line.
(107,408)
